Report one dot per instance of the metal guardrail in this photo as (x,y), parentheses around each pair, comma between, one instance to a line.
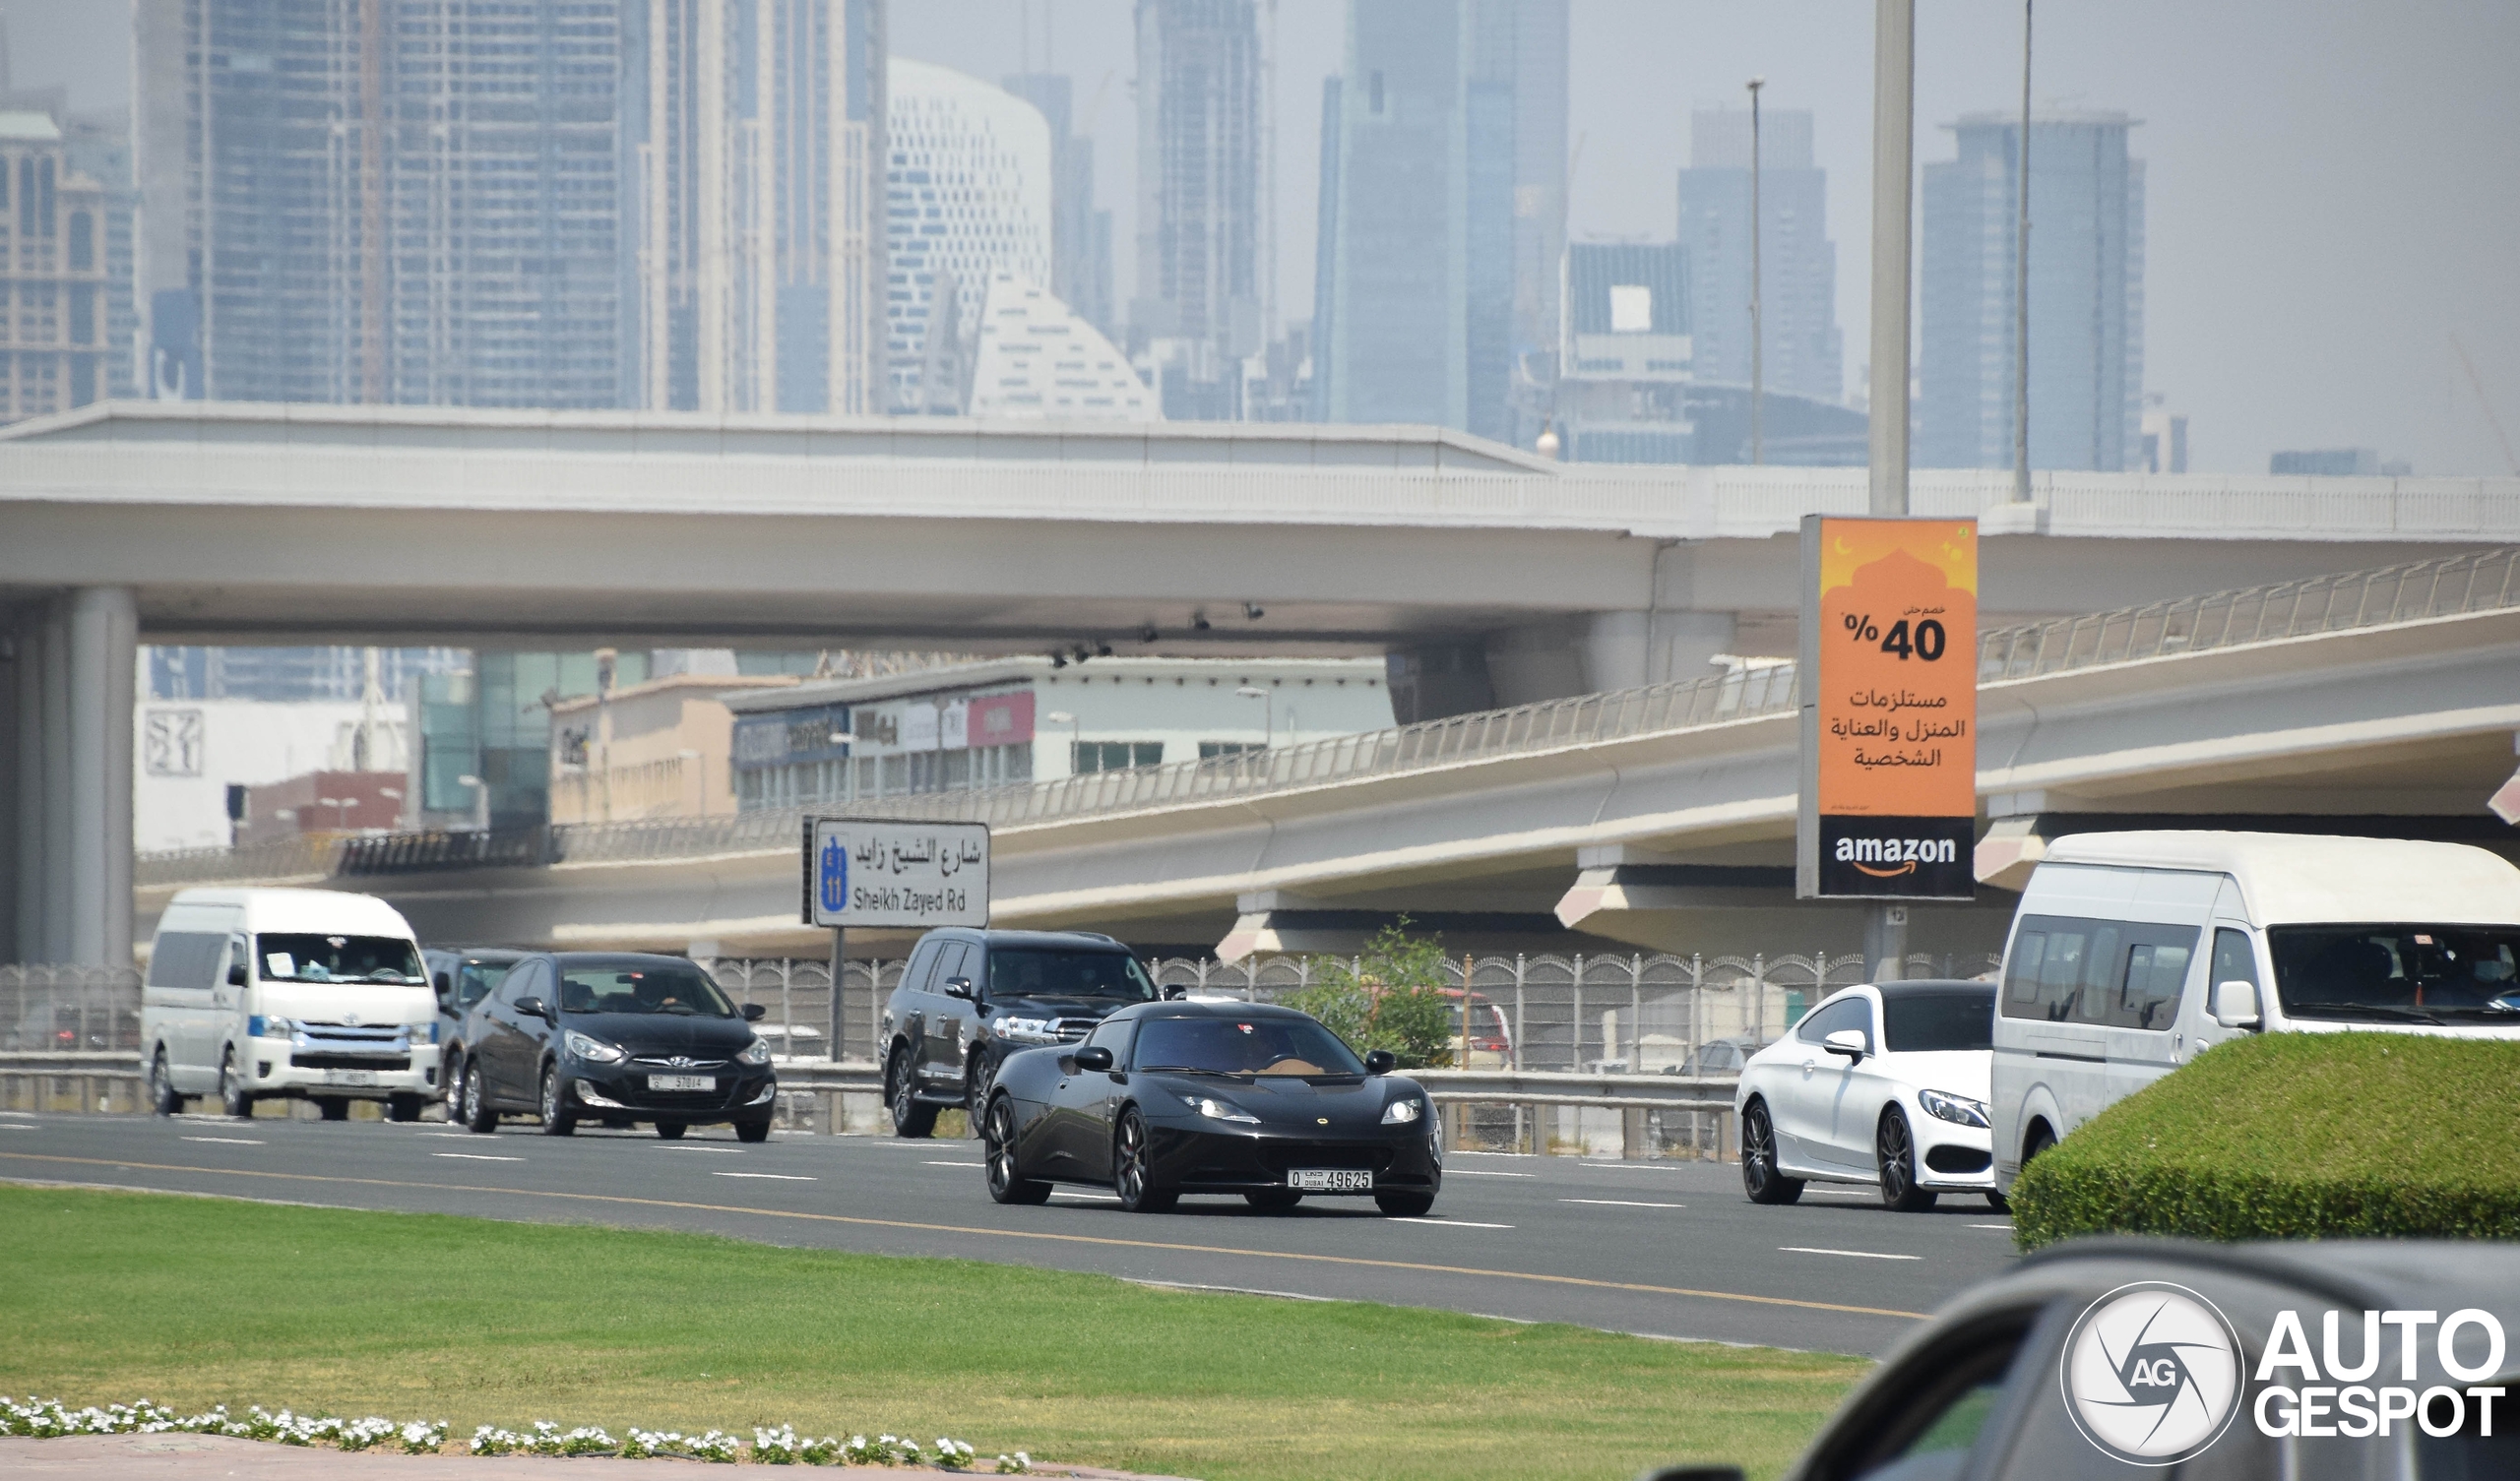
(2484,582)
(2414,591)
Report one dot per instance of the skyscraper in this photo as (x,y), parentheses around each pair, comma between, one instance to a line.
(409,201)
(968,195)
(761,250)
(1079,234)
(1198,213)
(1799,286)
(2086,296)
(54,337)
(1449,190)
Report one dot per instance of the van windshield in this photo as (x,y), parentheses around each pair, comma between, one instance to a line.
(385,960)
(2398,974)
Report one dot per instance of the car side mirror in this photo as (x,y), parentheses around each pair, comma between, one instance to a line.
(235,974)
(754,1013)
(1381,1062)
(445,988)
(960,987)
(533,1007)
(2234,1005)
(1094,1057)
(1846,1041)
(1692,1474)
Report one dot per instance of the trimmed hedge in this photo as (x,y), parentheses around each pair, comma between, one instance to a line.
(2295,1135)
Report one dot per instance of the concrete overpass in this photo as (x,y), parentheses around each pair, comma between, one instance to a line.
(1489,576)
(2379,702)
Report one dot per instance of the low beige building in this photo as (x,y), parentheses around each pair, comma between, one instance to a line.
(653,750)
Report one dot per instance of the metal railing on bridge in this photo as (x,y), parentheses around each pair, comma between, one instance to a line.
(2419,590)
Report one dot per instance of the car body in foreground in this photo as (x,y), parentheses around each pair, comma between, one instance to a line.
(615,1038)
(1883,1083)
(2378,1360)
(970,998)
(461,977)
(1168,1099)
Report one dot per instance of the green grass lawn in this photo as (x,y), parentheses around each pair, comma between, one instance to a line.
(192,1302)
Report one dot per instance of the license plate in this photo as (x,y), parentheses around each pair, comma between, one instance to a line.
(350,1077)
(1330,1180)
(681,1083)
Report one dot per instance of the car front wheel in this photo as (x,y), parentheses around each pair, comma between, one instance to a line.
(1273,1198)
(556,1118)
(1759,1176)
(1006,1185)
(911,1118)
(1895,1150)
(1405,1205)
(670,1131)
(477,1114)
(752,1131)
(1133,1168)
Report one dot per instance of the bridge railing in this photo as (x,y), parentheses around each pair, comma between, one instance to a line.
(2487,580)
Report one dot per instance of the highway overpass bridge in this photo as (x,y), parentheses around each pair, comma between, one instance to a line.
(2380,702)
(1492,577)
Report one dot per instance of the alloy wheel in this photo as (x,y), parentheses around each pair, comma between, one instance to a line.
(1759,1176)
(1897,1154)
(997,1149)
(161,1086)
(473,1116)
(556,1121)
(231,1097)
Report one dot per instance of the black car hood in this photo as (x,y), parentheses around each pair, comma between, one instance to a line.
(1055,1008)
(1283,1101)
(646,1033)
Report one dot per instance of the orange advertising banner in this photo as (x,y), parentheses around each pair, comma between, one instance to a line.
(1889,708)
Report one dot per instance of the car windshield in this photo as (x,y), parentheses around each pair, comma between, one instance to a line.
(1930,1022)
(385,960)
(475,980)
(1036,972)
(683,991)
(2398,974)
(1252,1046)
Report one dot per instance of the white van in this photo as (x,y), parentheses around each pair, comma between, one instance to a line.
(306,993)
(2132,952)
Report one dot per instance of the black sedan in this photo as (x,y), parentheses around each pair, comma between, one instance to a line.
(1167,1099)
(616,1038)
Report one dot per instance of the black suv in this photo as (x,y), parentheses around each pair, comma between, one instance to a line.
(971,998)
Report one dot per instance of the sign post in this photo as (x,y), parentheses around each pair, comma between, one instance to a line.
(1889,665)
(887,873)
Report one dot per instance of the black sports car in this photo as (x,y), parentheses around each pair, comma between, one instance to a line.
(1167,1098)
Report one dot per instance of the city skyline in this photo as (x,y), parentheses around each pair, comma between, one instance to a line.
(2245,173)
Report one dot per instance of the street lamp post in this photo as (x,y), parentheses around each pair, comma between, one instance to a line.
(1268,712)
(2021,287)
(1758,335)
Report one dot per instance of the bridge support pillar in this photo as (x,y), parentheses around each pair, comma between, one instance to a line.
(73,664)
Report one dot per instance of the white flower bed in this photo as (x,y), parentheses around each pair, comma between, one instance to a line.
(48,1419)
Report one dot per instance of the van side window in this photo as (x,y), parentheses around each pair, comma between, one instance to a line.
(2099,990)
(187,958)
(2234,960)
(2062,975)
(2156,971)
(2021,980)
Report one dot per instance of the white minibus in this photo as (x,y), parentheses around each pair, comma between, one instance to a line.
(2131,952)
(310,993)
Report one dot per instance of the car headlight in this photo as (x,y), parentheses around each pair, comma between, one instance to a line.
(1025,1030)
(593,1050)
(755,1053)
(1403,1112)
(262,1027)
(1220,1110)
(1955,1108)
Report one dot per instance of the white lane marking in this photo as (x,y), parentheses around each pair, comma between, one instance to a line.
(230,1140)
(20,1115)
(455,1136)
(778,1177)
(1857,1254)
(1622,1203)
(11,1125)
(1444,1223)
(1625,1167)
(1091,1198)
(703,1146)
(1472,1172)
(475,1157)
(2007,1228)
(955,1164)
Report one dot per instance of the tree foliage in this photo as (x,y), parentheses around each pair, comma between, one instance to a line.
(1391,997)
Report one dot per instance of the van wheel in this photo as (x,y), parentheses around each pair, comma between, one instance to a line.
(402,1108)
(1997,1201)
(1895,1150)
(911,1118)
(233,1098)
(163,1099)
(333,1107)
(1759,1176)
(2039,1141)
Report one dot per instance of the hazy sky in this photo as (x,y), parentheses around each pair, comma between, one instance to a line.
(2333,187)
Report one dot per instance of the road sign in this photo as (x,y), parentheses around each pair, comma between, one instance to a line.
(1889,680)
(873,872)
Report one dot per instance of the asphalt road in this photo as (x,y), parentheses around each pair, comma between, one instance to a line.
(1665,1249)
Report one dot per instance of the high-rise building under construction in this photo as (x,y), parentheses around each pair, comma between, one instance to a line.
(1199,200)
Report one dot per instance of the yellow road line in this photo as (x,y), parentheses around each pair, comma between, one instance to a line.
(925,1228)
